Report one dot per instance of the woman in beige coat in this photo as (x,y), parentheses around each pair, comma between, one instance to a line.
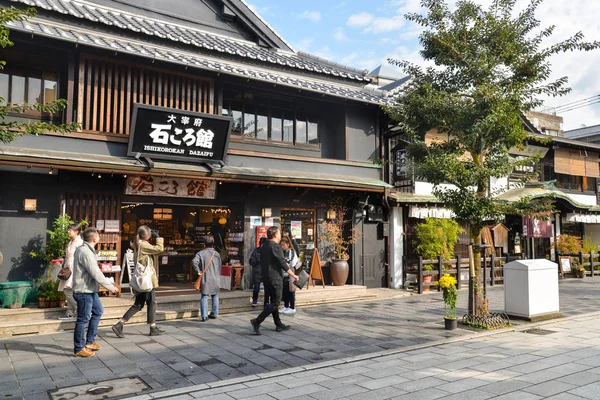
(144,252)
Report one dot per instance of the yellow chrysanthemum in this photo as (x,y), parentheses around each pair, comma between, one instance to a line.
(447,281)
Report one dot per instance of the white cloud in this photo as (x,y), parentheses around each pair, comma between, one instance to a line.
(339,35)
(380,25)
(304,44)
(313,16)
(361,19)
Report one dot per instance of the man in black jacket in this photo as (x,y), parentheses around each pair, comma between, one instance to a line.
(272,265)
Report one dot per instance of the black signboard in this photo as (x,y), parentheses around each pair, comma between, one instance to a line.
(400,170)
(179,135)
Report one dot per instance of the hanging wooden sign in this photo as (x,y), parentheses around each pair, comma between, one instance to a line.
(170,187)
(316,272)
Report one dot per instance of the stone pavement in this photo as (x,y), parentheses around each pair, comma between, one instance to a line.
(557,360)
(194,353)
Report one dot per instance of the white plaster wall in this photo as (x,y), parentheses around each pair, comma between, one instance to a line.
(589,200)
(498,183)
(426,188)
(396,247)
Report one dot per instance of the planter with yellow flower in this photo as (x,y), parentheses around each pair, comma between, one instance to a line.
(448,285)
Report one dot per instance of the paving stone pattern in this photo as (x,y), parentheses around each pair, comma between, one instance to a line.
(193,353)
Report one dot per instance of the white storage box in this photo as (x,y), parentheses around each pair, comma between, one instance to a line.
(531,288)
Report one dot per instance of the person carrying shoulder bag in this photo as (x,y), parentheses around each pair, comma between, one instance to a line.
(207,263)
(144,255)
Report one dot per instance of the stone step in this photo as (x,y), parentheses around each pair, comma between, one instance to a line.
(27,321)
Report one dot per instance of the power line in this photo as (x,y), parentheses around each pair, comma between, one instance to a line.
(568,105)
(580,106)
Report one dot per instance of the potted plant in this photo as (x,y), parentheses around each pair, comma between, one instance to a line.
(333,231)
(436,237)
(448,285)
(48,294)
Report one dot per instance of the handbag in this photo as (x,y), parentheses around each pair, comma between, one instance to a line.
(64,273)
(142,276)
(198,283)
(302,279)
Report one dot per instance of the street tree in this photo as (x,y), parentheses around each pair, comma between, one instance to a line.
(490,66)
(10,127)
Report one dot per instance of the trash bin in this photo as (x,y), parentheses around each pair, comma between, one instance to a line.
(15,294)
(531,288)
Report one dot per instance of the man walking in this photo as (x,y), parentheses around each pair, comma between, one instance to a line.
(86,277)
(273,265)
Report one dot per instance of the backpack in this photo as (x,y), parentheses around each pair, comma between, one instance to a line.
(141,281)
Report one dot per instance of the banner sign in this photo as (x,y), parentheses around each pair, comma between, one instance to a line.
(537,228)
(170,187)
(179,135)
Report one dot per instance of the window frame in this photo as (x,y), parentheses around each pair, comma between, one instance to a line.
(279,111)
(32,66)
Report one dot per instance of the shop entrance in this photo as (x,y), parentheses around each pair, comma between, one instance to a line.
(301,223)
(183,228)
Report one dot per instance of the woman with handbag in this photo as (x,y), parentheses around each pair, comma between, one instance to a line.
(65,274)
(144,253)
(289,289)
(207,263)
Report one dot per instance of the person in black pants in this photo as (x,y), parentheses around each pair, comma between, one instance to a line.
(273,265)
(256,273)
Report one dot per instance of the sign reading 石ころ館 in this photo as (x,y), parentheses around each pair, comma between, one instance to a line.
(170,187)
(179,135)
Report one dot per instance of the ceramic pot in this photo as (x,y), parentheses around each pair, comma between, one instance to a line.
(426,281)
(450,323)
(339,272)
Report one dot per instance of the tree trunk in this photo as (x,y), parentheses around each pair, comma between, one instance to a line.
(477,301)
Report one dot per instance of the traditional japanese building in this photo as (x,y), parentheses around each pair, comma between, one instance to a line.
(195,117)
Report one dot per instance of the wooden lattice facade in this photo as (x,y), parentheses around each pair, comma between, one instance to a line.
(107,91)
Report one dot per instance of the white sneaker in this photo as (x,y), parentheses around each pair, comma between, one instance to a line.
(284,310)
(291,311)
(67,318)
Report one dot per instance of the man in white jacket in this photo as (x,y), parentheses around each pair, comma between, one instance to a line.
(86,280)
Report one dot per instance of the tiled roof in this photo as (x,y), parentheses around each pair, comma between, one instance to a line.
(189,36)
(542,190)
(583,132)
(395,88)
(150,50)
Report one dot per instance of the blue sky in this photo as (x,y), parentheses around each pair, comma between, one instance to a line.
(364,34)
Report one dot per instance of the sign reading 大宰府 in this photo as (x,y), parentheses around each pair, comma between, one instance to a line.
(179,135)
(170,187)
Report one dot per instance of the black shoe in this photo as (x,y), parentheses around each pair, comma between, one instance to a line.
(281,328)
(155,331)
(118,329)
(211,316)
(255,326)
(203,319)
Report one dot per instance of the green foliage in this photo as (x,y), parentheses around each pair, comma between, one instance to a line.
(49,290)
(567,244)
(58,239)
(490,67)
(10,130)
(437,237)
(589,246)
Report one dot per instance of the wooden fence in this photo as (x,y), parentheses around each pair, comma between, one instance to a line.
(589,261)
(420,269)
